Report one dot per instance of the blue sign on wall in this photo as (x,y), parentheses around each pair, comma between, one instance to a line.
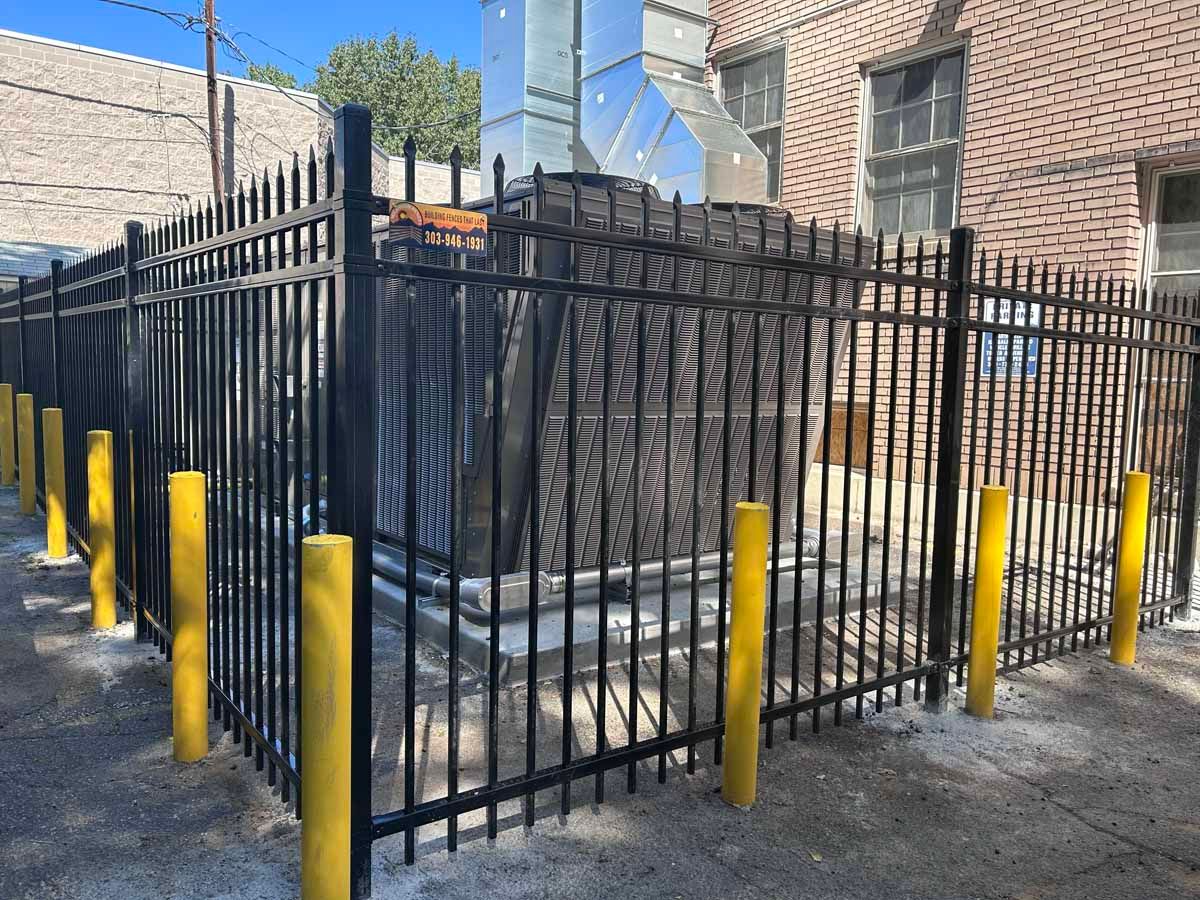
(1010,355)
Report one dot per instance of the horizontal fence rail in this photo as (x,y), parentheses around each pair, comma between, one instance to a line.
(538,449)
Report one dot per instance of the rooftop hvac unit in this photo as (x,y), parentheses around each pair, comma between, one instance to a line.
(621,201)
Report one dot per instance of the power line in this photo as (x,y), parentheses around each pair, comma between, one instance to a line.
(466,115)
(282,53)
(182,19)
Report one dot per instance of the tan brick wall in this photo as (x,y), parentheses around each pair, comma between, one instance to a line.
(1065,102)
(91,139)
(1067,106)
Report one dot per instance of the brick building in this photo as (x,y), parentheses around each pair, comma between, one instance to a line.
(1063,129)
(1060,130)
(92,138)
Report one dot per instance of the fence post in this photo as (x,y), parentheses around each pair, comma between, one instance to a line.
(1185,557)
(352,450)
(56,268)
(949,471)
(136,400)
(21,334)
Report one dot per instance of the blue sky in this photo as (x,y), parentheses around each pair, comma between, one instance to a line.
(306,32)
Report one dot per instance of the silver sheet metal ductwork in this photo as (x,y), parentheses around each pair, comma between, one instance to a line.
(530,95)
(615,87)
(644,109)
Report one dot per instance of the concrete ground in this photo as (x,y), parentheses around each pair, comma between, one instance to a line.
(1085,786)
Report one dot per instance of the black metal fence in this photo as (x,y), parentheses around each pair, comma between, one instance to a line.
(567,423)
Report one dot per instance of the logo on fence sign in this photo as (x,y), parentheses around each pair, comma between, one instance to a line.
(1010,355)
(429,227)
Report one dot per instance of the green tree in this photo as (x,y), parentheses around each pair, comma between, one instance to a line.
(403,88)
(270,74)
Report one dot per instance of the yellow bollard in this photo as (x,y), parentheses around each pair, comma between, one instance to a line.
(327,565)
(8,445)
(189,615)
(25,454)
(745,653)
(985,607)
(1130,553)
(54,464)
(101,530)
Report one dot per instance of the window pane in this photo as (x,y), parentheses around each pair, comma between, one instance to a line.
(756,74)
(768,142)
(755,107)
(914,212)
(918,171)
(886,130)
(886,215)
(918,80)
(945,117)
(885,90)
(1183,285)
(731,81)
(1178,248)
(949,75)
(943,209)
(883,176)
(775,68)
(945,165)
(915,125)
(1180,199)
(773,180)
(775,104)
(734,108)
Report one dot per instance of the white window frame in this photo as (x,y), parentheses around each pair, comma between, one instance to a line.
(745,55)
(906,58)
(1150,233)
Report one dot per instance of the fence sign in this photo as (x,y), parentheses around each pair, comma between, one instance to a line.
(1010,355)
(430,227)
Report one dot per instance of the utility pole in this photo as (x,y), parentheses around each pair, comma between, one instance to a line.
(210,65)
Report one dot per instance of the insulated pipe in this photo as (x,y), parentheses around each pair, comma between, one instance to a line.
(475,593)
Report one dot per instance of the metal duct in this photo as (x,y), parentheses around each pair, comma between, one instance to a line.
(530,102)
(644,111)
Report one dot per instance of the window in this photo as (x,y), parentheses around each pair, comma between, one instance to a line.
(752,91)
(913,146)
(1175,235)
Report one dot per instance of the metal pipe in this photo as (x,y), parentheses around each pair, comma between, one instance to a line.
(476,593)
